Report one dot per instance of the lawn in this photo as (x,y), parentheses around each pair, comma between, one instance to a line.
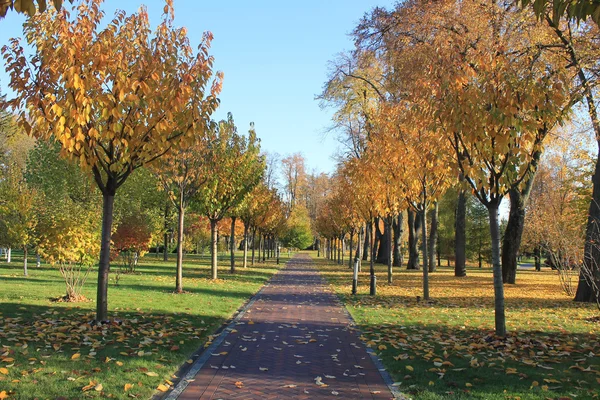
(51,350)
(445,349)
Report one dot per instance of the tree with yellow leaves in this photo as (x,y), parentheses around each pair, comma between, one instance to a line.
(115,98)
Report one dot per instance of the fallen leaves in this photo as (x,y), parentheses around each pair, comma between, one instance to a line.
(239,384)
(162,388)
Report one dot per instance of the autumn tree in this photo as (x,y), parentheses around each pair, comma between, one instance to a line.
(27,6)
(234,167)
(182,174)
(294,178)
(115,98)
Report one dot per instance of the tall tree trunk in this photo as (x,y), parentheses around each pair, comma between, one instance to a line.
(366,244)
(413,239)
(245,262)
(398,225)
(359,248)
(373,284)
(180,225)
(253,244)
(232,243)
(390,250)
(108,201)
(342,249)
(351,248)
(433,235)
(264,247)
(166,234)
(382,240)
(38,261)
(460,236)
(500,318)
(516,220)
(589,275)
(318,243)
(213,248)
(538,258)
(9,255)
(512,236)
(25,273)
(425,250)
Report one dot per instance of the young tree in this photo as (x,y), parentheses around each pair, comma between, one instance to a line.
(233,168)
(115,98)
(182,174)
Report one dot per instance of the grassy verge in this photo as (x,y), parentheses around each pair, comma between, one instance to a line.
(51,350)
(445,349)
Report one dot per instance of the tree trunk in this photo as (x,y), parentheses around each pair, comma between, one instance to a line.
(538,259)
(253,244)
(382,240)
(413,249)
(108,201)
(264,247)
(589,275)
(245,262)
(38,261)
(398,226)
(232,243)
(25,273)
(9,255)
(500,318)
(512,236)
(433,237)
(425,250)
(460,236)
(373,284)
(213,248)
(166,234)
(390,250)
(366,245)
(358,256)
(318,243)
(351,248)
(180,225)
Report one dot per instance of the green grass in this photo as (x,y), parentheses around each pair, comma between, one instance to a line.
(446,349)
(154,333)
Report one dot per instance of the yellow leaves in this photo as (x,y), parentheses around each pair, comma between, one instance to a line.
(127,387)
(150,373)
(468,384)
(75,356)
(239,384)
(382,347)
(409,368)
(162,388)
(4,371)
(3,395)
(90,386)
(511,371)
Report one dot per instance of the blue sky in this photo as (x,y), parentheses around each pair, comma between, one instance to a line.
(274,55)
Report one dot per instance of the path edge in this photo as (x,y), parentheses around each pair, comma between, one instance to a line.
(385,375)
(206,352)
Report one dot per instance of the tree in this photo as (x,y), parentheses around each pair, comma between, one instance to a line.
(18,218)
(182,174)
(26,6)
(233,168)
(115,98)
(294,176)
(298,232)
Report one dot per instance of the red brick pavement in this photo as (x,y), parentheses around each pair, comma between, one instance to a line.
(295,332)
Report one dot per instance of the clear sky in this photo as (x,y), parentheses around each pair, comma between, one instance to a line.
(274,56)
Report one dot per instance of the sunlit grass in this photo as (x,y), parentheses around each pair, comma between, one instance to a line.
(50,349)
(446,348)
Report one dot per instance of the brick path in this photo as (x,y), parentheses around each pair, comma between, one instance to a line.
(295,332)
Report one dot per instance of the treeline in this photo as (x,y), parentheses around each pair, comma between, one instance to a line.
(444,100)
(108,149)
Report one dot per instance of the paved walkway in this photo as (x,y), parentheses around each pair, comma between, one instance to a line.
(294,342)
